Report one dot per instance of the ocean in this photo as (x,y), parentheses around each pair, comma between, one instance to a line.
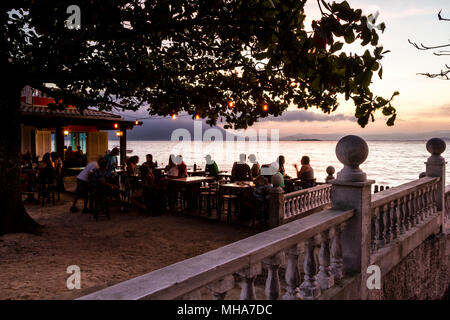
(390,163)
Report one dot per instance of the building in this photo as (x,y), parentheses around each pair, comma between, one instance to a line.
(44,129)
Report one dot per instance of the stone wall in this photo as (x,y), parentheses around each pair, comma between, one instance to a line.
(423,274)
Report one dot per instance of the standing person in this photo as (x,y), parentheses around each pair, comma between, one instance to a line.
(281,162)
(241,170)
(83,186)
(211,168)
(256,169)
(172,168)
(59,166)
(148,184)
(111,162)
(306,171)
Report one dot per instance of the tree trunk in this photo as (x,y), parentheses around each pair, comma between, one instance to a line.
(13,215)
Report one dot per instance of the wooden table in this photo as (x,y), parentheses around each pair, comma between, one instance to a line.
(194,188)
(196,173)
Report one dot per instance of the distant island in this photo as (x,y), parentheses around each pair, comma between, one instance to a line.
(309,140)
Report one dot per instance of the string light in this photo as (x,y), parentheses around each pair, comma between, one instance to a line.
(174,116)
(136,122)
(197,117)
(230,104)
(116,125)
(265,107)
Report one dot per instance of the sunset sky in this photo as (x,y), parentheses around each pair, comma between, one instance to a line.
(423,104)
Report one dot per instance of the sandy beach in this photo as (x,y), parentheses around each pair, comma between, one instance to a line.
(107,252)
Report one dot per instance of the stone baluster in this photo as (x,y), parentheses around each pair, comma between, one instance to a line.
(398,219)
(379,238)
(434,196)
(337,267)
(220,287)
(273,280)
(417,196)
(392,227)
(310,288)
(411,211)
(292,276)
(405,210)
(325,277)
(248,276)
(429,200)
(287,208)
(422,203)
(386,227)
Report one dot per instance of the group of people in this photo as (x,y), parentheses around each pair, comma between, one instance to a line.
(74,158)
(152,182)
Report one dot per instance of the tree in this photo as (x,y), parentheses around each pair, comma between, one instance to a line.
(444,74)
(240,60)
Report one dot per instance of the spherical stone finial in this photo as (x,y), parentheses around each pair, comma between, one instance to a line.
(436,146)
(276,180)
(331,170)
(352,151)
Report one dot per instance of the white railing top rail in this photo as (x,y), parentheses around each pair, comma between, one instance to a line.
(386,196)
(304,191)
(186,276)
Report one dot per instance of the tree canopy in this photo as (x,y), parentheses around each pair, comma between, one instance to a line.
(235,59)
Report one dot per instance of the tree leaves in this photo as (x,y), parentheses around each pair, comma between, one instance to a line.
(196,56)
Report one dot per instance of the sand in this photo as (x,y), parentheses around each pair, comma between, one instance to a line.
(107,252)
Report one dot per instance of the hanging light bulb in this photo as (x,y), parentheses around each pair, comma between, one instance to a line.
(265,107)
(66,132)
(136,122)
(230,104)
(116,125)
(174,116)
(197,117)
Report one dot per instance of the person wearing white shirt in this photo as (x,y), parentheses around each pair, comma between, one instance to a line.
(82,186)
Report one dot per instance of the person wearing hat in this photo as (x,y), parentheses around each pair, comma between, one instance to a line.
(211,168)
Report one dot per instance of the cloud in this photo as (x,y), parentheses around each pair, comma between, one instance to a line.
(307,116)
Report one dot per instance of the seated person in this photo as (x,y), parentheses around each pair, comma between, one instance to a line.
(132,165)
(46,170)
(149,161)
(171,168)
(262,188)
(241,170)
(98,178)
(306,172)
(182,168)
(211,168)
(255,170)
(281,162)
(148,183)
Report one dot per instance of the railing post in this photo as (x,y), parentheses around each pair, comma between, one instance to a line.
(435,167)
(276,204)
(352,190)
